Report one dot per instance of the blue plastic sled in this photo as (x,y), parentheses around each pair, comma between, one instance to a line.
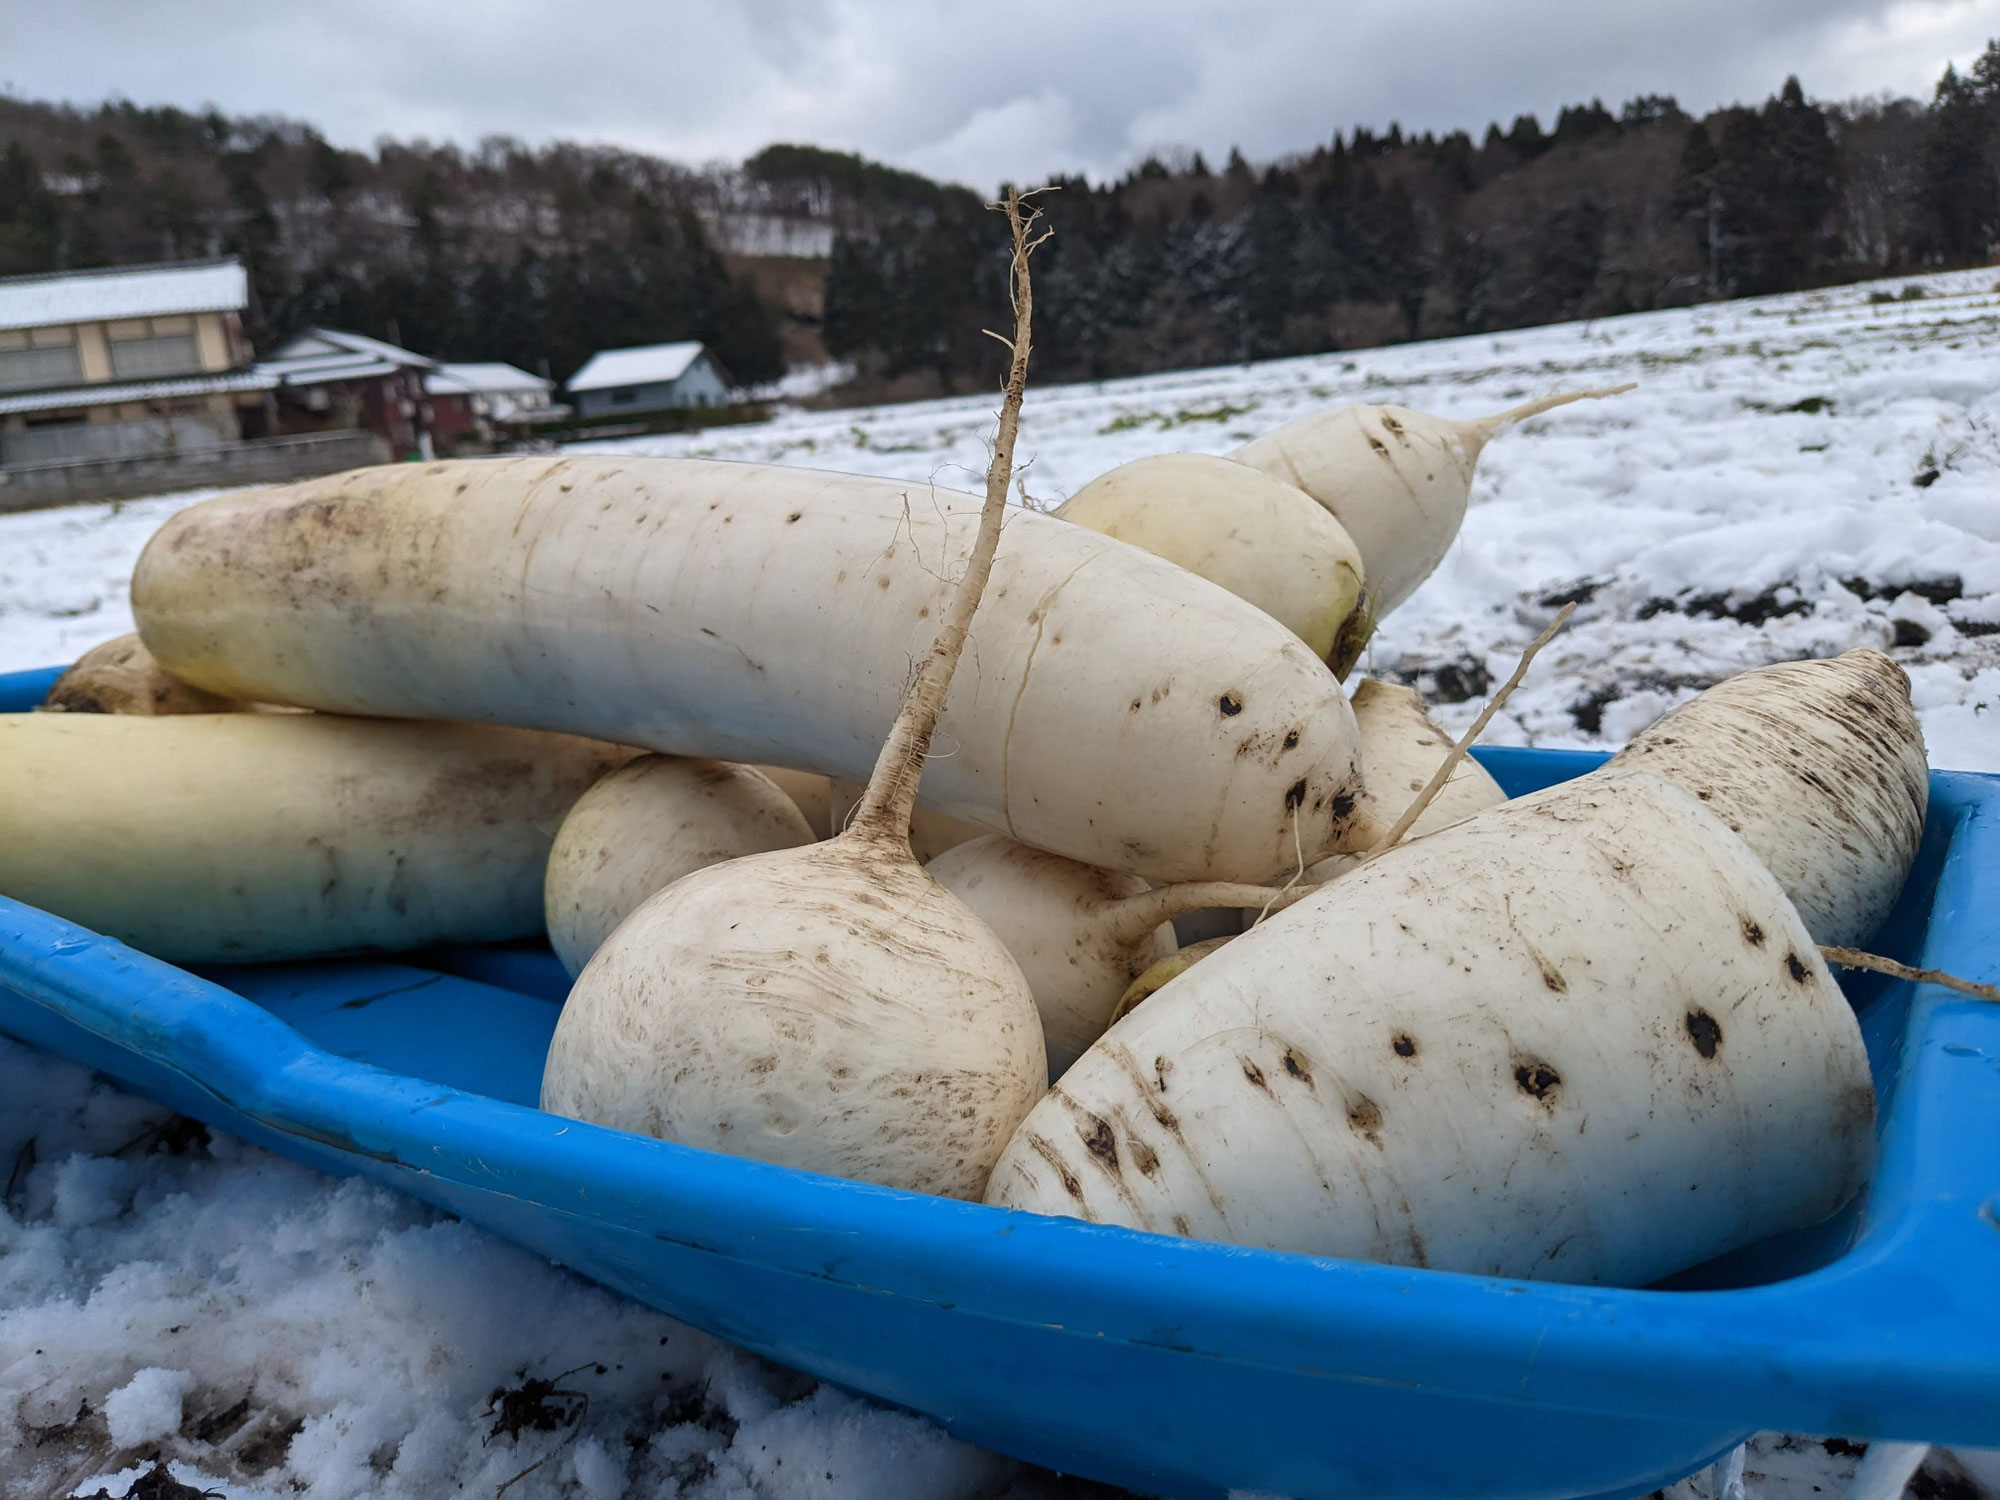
(1170,1366)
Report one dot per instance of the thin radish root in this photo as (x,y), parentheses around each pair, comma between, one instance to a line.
(1854,958)
(1492,427)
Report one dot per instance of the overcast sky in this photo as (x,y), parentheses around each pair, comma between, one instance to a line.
(970,92)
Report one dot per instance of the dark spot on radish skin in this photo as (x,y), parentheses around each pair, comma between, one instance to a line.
(1752,933)
(1049,1154)
(1144,1157)
(1553,978)
(793,517)
(1704,1032)
(1405,1044)
(1795,967)
(1365,1115)
(1181,1224)
(1296,1066)
(1231,705)
(1100,1142)
(1292,740)
(1537,1080)
(1295,795)
(1343,806)
(1254,1073)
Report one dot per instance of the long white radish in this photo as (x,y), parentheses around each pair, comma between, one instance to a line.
(1401,746)
(235,837)
(121,677)
(643,827)
(1582,1036)
(1116,708)
(1265,541)
(1397,479)
(830,1007)
(1820,766)
(1080,934)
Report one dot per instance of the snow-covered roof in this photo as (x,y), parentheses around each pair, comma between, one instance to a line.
(648,365)
(481,379)
(321,343)
(138,390)
(325,369)
(123,292)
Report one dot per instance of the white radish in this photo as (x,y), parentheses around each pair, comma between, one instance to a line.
(1582,1036)
(1820,766)
(121,677)
(641,828)
(1080,934)
(1401,746)
(1116,708)
(1397,479)
(1265,541)
(830,1007)
(237,837)
(1166,970)
(931,832)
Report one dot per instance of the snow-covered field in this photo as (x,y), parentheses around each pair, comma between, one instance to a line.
(1793,476)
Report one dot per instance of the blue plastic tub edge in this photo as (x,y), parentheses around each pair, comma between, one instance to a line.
(1898,1337)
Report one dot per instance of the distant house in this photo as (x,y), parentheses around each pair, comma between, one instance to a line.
(325,379)
(658,377)
(487,402)
(115,364)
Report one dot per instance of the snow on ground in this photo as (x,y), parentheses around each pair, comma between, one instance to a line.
(1794,476)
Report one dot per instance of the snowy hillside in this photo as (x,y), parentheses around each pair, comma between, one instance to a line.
(1793,476)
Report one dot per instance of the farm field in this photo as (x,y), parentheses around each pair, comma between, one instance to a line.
(1792,477)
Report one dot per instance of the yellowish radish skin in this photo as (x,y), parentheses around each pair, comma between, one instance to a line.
(1397,480)
(1582,1036)
(210,838)
(121,677)
(1820,766)
(830,1007)
(1401,748)
(1166,970)
(1119,710)
(1267,542)
(643,827)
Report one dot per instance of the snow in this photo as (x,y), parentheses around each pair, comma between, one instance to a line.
(126,292)
(646,365)
(272,1331)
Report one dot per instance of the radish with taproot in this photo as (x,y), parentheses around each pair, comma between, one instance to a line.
(643,827)
(1397,480)
(1081,934)
(1582,1036)
(931,832)
(1820,766)
(244,837)
(830,1007)
(1265,541)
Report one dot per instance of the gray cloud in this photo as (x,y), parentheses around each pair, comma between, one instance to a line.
(973,94)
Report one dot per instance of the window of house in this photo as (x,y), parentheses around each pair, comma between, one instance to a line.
(38,358)
(624,395)
(144,347)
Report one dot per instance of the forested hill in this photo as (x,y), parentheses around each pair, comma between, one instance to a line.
(539,256)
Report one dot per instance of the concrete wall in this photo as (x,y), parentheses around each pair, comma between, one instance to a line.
(267,461)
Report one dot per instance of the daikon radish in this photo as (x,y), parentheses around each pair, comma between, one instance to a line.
(1169,968)
(1080,934)
(1820,766)
(121,677)
(641,828)
(1581,1036)
(1401,746)
(208,838)
(1116,708)
(1397,480)
(830,1007)
(1265,541)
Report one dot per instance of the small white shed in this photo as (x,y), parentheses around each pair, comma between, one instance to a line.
(656,377)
